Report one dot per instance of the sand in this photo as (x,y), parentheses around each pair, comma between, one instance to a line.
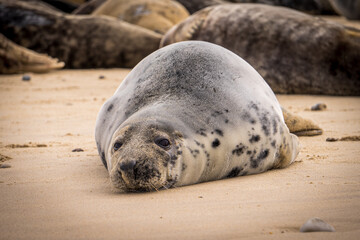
(50,192)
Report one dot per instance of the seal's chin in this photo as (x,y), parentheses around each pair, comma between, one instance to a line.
(133,183)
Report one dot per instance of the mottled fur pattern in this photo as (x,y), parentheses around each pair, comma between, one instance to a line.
(294,52)
(79,41)
(220,117)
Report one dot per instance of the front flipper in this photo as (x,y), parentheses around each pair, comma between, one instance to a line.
(185,30)
(17,59)
(300,126)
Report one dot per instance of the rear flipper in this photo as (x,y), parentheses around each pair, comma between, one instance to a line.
(288,150)
(17,59)
(300,126)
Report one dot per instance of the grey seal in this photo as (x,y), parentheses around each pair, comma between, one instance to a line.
(293,51)
(308,6)
(155,15)
(188,113)
(347,8)
(79,41)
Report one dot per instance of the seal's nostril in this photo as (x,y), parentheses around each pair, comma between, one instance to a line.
(128,165)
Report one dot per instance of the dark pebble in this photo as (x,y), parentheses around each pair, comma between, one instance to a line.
(101,77)
(318,107)
(4,165)
(26,78)
(77,150)
(332,139)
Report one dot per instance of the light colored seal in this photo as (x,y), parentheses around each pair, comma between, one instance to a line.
(79,41)
(16,59)
(188,113)
(156,15)
(294,52)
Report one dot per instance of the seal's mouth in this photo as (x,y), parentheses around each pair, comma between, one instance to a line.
(140,178)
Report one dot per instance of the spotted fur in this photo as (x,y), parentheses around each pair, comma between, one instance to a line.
(220,117)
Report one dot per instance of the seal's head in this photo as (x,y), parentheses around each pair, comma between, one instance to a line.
(145,156)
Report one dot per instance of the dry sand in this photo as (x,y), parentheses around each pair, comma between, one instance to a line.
(50,192)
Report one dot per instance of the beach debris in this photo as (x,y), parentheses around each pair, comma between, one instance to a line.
(331,139)
(4,158)
(348,138)
(30,145)
(101,77)
(26,77)
(319,107)
(316,225)
(77,150)
(5,165)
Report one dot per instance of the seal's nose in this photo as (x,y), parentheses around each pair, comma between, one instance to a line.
(127,166)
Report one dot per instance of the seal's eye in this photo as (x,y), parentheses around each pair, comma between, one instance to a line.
(162,142)
(117,146)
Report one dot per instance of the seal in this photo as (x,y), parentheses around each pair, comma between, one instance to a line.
(195,5)
(281,45)
(88,7)
(79,41)
(347,8)
(16,59)
(156,15)
(61,5)
(188,113)
(308,6)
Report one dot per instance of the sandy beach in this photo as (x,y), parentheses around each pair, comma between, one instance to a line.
(49,192)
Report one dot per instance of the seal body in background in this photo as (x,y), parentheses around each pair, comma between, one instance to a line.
(188,113)
(294,52)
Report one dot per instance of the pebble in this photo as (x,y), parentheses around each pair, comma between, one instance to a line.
(316,225)
(26,78)
(331,139)
(101,77)
(318,107)
(4,165)
(77,150)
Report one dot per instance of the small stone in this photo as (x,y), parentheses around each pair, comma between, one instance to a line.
(318,107)
(26,78)
(331,139)
(101,77)
(77,150)
(4,165)
(41,145)
(316,225)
